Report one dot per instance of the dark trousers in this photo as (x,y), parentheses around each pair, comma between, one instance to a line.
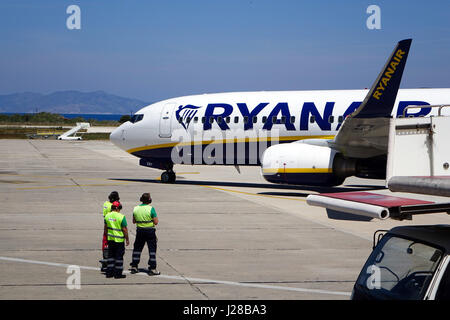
(116,250)
(143,236)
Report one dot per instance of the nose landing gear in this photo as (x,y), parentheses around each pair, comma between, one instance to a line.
(168,176)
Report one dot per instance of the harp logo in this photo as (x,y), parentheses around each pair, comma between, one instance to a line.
(185,114)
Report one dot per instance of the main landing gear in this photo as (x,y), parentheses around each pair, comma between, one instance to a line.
(168,176)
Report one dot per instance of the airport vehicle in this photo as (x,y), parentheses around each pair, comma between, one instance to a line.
(407,263)
(71,134)
(426,141)
(298,137)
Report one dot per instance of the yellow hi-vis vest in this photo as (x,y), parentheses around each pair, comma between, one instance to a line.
(106,208)
(114,224)
(142,216)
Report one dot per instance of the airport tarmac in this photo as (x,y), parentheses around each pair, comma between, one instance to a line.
(222,234)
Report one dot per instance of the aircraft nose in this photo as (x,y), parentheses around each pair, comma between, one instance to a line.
(117,137)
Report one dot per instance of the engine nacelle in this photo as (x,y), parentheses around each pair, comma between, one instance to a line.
(305,164)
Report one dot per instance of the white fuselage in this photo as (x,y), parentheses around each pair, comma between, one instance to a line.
(278,116)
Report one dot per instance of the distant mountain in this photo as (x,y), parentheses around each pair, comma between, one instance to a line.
(69,102)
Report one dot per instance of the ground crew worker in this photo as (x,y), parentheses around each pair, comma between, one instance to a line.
(113,196)
(145,218)
(117,234)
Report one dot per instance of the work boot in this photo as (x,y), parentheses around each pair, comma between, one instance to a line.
(134,269)
(153,272)
(104,266)
(119,276)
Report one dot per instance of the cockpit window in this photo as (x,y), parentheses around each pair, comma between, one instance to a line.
(136,118)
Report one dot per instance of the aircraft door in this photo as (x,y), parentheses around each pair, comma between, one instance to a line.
(165,122)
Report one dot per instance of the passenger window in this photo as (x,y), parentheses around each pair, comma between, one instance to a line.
(219,119)
(236,119)
(203,119)
(255,119)
(292,119)
(211,120)
(341,119)
(283,120)
(136,118)
(312,119)
(330,119)
(245,119)
(274,119)
(227,119)
(188,120)
(195,119)
(264,119)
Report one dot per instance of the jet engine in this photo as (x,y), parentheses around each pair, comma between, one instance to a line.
(306,164)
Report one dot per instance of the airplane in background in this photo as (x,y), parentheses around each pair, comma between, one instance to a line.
(317,137)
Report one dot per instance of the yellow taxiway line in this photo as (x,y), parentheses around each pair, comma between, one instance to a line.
(253,194)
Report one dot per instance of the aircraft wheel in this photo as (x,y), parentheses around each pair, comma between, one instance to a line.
(168,177)
(165,177)
(172,177)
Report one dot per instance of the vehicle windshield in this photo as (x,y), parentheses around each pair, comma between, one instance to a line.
(399,268)
(137,117)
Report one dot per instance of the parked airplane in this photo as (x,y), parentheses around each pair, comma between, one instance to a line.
(298,137)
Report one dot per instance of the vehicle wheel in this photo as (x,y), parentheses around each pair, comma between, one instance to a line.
(172,177)
(165,177)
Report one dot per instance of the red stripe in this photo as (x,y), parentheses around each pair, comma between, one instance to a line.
(375,199)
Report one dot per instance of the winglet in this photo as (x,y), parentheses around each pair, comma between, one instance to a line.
(381,97)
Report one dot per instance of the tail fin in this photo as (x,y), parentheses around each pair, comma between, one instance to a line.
(381,97)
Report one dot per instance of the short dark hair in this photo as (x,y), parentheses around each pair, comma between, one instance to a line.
(145,198)
(113,196)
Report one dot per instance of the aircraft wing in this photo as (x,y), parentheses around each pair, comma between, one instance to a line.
(365,132)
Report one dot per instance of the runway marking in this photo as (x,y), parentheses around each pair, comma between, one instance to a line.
(50,177)
(74,185)
(209,281)
(253,194)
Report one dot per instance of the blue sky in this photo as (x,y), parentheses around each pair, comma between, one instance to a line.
(153,50)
